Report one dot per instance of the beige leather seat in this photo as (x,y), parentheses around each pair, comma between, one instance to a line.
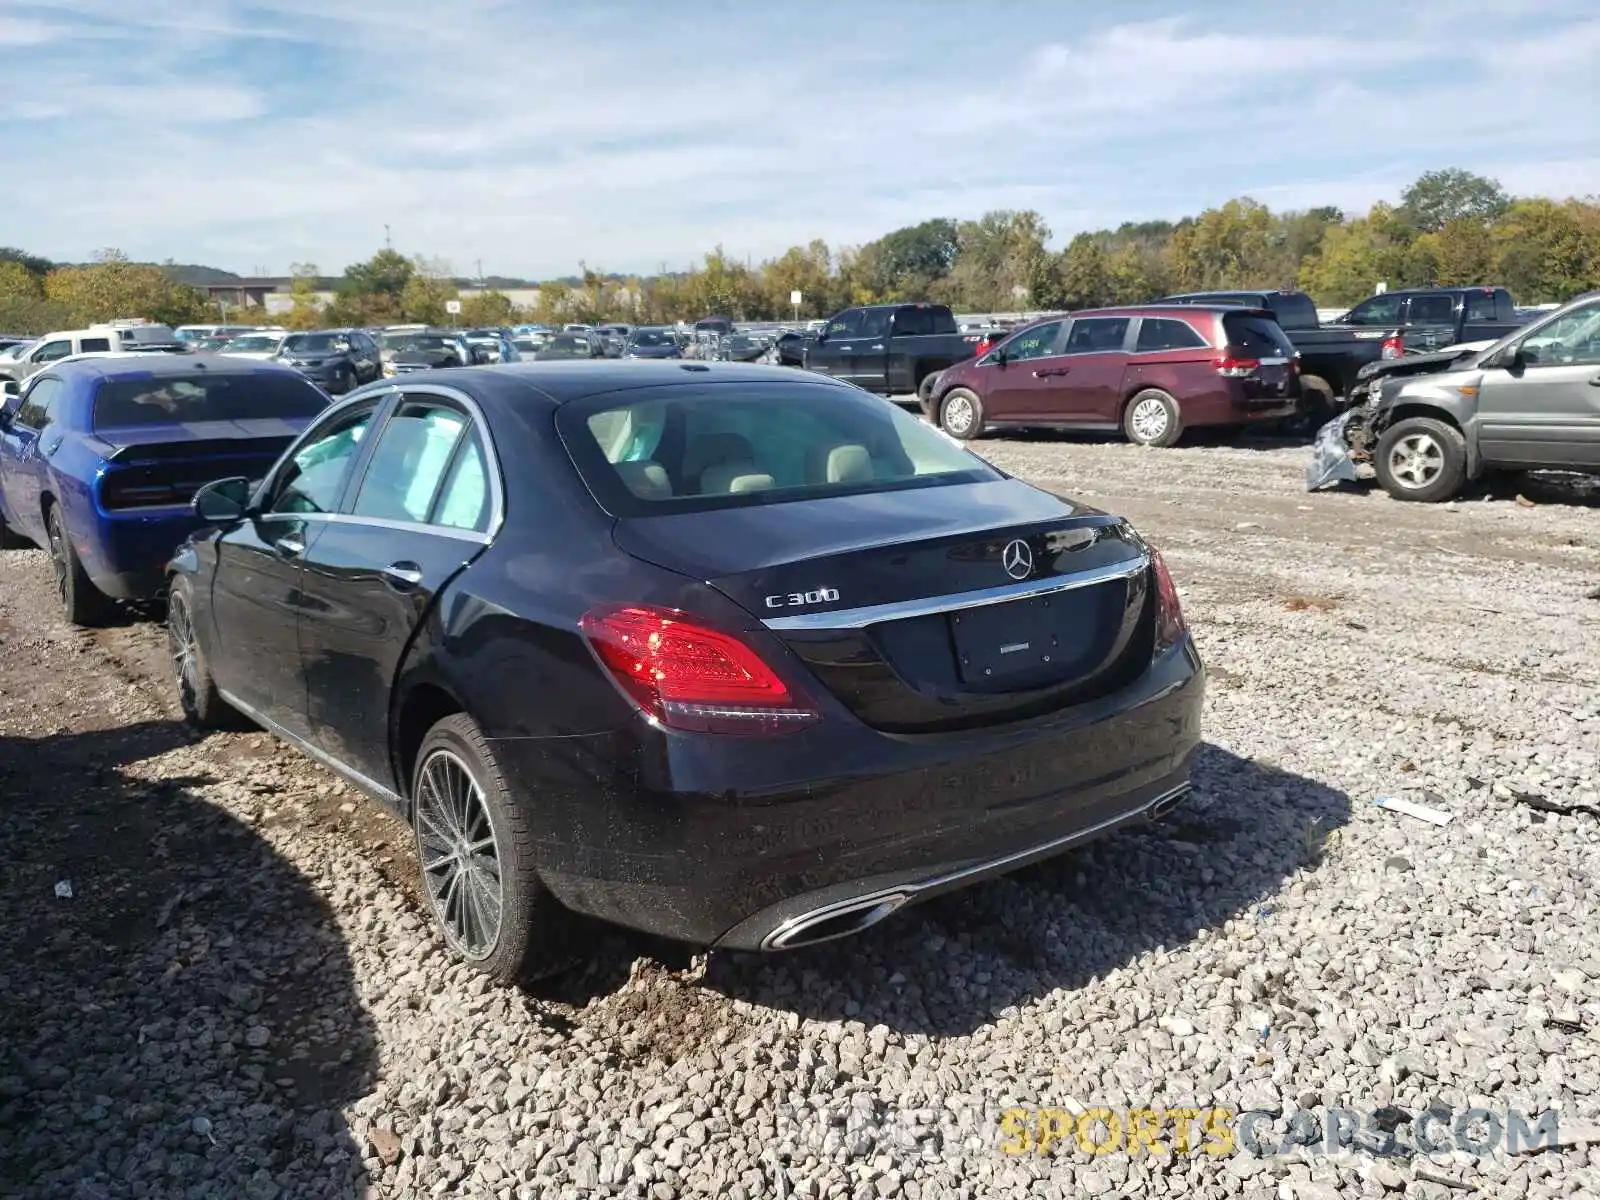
(726,478)
(846,463)
(646,479)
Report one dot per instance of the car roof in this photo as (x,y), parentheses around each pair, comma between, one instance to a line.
(557,382)
(166,366)
(1176,310)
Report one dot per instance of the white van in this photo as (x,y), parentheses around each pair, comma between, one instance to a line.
(53,347)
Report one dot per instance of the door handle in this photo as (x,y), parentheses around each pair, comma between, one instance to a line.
(289,545)
(1049,372)
(402,575)
(879,346)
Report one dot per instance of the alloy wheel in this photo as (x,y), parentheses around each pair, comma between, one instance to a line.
(1416,460)
(459,855)
(180,645)
(958,414)
(1150,419)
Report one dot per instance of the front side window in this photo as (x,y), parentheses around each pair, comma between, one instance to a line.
(51,351)
(1036,342)
(313,478)
(1167,333)
(1380,310)
(38,406)
(1096,335)
(1570,340)
(409,462)
(689,447)
(846,324)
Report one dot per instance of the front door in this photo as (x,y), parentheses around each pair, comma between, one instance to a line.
(833,353)
(256,592)
(1546,412)
(1025,378)
(869,356)
(24,459)
(423,508)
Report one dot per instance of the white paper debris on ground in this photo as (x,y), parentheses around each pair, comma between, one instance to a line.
(64,889)
(1434,816)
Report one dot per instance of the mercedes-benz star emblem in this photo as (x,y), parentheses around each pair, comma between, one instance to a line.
(1017,559)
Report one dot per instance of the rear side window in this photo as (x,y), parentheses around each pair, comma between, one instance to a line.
(89,345)
(1294,311)
(409,462)
(1092,335)
(1168,333)
(1481,306)
(1431,310)
(171,400)
(874,322)
(1257,337)
(686,448)
(913,322)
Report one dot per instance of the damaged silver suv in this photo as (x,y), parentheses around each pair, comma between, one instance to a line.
(1531,401)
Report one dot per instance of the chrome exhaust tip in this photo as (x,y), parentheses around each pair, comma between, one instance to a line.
(1162,805)
(834,921)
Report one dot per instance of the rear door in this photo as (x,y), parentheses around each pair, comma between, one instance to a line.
(1548,413)
(256,597)
(423,507)
(1088,385)
(1025,380)
(834,350)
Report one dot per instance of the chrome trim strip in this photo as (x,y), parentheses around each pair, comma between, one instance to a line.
(901,610)
(450,531)
(907,892)
(371,786)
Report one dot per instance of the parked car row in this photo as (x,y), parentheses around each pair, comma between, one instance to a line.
(732,654)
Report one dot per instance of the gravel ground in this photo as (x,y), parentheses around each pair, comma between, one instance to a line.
(241,997)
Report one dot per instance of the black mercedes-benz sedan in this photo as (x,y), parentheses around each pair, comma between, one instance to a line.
(725,653)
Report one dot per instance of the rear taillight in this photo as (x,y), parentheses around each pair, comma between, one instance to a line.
(1171,628)
(1394,346)
(692,678)
(1234,367)
(135,489)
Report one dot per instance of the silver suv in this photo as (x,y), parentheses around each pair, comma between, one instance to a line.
(1531,401)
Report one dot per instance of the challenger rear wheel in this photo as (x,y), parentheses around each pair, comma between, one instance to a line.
(81,602)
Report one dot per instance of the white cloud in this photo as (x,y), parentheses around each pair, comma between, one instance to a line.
(631,136)
(16,31)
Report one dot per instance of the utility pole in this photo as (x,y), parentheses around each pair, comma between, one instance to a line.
(387,244)
(480,273)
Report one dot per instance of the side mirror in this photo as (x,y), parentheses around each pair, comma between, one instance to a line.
(822,336)
(223,501)
(10,388)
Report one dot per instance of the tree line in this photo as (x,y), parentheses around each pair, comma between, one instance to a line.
(1450,227)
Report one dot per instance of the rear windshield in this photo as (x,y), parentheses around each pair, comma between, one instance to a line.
(735,445)
(120,403)
(653,337)
(1294,310)
(1260,337)
(315,343)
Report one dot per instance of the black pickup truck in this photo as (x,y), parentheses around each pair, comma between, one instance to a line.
(1388,325)
(890,349)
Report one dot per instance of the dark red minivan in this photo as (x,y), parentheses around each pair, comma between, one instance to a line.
(1150,371)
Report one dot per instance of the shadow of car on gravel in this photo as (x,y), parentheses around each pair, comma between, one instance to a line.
(187,1022)
(947,966)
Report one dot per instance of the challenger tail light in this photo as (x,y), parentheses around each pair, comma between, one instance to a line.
(1234,367)
(692,678)
(1170,625)
(1394,346)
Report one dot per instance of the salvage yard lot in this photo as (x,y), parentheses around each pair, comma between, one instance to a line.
(242,996)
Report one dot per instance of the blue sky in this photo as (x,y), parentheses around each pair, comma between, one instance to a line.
(639,134)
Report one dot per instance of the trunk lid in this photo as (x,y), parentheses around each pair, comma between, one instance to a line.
(930,609)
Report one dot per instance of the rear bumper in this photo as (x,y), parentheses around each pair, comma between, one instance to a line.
(747,856)
(125,554)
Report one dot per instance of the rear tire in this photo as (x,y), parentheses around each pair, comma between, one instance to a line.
(81,602)
(961,414)
(1422,459)
(1152,419)
(202,705)
(475,848)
